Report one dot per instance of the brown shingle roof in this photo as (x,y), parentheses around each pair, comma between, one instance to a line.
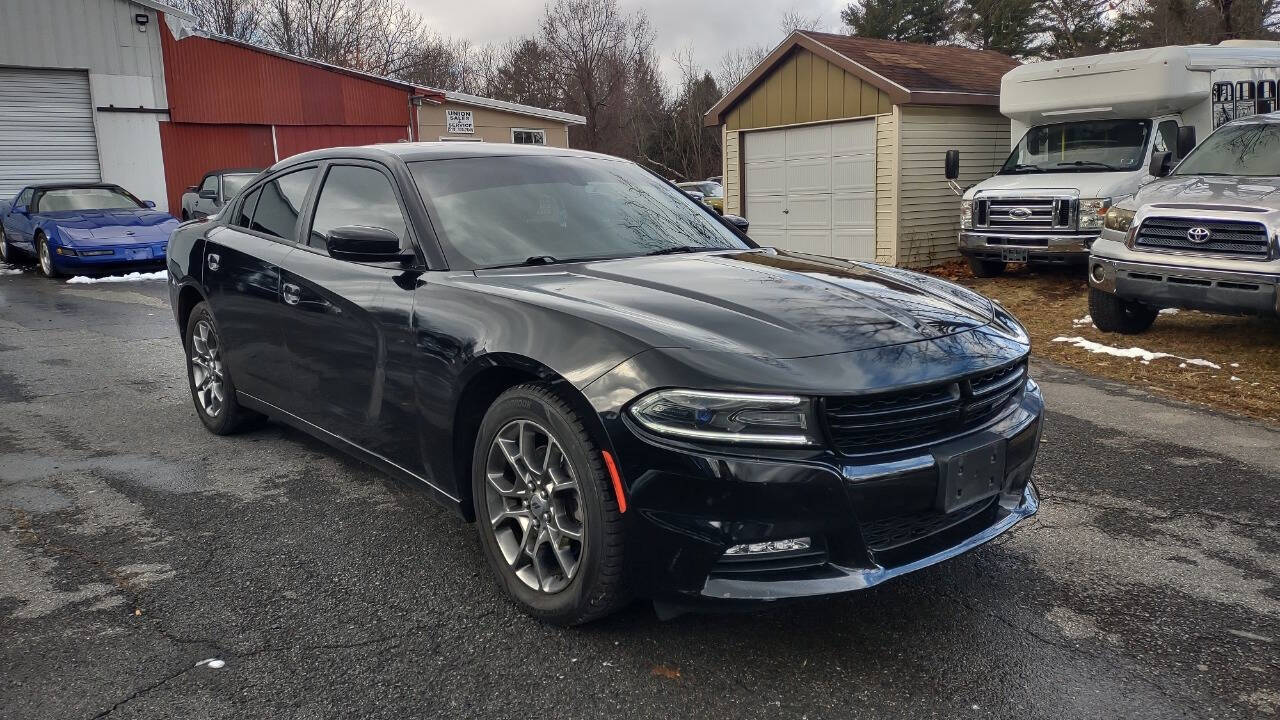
(924,68)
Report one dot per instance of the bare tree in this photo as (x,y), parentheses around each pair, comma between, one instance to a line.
(239,19)
(792,21)
(738,63)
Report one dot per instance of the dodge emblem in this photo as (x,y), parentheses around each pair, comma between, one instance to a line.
(1199,235)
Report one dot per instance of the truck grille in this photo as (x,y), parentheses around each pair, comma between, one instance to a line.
(885,422)
(1028,213)
(1233,238)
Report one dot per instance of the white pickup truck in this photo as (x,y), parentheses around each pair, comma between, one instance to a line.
(1084,131)
(1206,236)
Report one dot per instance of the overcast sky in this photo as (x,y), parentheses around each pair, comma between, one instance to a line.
(710,26)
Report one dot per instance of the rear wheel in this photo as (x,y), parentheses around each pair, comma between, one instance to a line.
(986,268)
(45,255)
(6,250)
(545,509)
(1111,314)
(212,390)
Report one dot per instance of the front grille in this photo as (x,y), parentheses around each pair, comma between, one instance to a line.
(1024,213)
(894,532)
(1233,238)
(885,422)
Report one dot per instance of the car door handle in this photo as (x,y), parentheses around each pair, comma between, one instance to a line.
(292,293)
(213,261)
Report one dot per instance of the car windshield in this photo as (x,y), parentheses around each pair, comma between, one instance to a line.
(1250,149)
(231,184)
(497,211)
(1084,146)
(90,198)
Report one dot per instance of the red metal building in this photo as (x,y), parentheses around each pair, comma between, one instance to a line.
(232,104)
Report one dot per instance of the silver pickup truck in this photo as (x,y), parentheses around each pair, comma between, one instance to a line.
(1205,236)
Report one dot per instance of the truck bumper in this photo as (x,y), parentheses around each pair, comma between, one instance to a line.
(1160,285)
(1062,249)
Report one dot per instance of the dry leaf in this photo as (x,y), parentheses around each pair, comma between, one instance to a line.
(669,673)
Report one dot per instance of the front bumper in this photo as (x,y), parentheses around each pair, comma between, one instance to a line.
(994,245)
(869,519)
(104,257)
(1164,285)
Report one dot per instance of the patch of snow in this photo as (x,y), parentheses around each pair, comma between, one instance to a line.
(1143,356)
(213,663)
(1169,311)
(1081,322)
(9,270)
(130,277)
(1235,379)
(1235,364)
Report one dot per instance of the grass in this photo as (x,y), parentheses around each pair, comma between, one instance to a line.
(1051,301)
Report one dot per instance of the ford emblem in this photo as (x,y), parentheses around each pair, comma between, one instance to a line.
(1199,235)
(1020,213)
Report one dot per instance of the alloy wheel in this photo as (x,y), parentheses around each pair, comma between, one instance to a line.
(46,261)
(206,369)
(534,505)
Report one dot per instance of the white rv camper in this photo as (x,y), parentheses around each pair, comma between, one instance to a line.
(1084,132)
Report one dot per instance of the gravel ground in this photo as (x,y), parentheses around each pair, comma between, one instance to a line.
(134,546)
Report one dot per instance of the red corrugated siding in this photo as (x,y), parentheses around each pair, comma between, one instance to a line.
(218,82)
(191,150)
(294,139)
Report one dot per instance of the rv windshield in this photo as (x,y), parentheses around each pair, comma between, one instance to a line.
(1085,146)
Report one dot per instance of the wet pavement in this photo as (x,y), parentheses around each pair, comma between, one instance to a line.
(134,546)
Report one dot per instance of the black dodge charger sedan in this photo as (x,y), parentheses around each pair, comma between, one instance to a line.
(626,394)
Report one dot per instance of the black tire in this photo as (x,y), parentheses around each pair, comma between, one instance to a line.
(6,250)
(1111,314)
(598,586)
(230,417)
(44,258)
(987,268)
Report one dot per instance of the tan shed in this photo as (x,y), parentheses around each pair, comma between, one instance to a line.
(834,145)
(471,118)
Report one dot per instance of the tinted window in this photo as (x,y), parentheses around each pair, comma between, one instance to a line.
(91,198)
(505,210)
(245,217)
(210,183)
(1247,149)
(280,203)
(354,195)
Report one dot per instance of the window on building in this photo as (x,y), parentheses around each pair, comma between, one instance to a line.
(280,204)
(522,136)
(446,138)
(355,195)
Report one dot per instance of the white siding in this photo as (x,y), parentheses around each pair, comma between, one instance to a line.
(732,183)
(928,211)
(887,188)
(125,69)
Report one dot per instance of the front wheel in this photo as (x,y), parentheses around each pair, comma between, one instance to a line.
(6,250)
(545,509)
(45,255)
(986,268)
(1111,314)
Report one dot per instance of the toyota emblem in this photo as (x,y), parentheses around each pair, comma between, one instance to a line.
(1199,235)
(1020,213)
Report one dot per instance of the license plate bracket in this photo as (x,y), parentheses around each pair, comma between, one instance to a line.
(1012,254)
(972,475)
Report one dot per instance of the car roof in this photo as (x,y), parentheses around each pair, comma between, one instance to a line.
(1266,118)
(73,186)
(416,151)
(234,171)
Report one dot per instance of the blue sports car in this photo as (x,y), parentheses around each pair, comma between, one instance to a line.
(84,228)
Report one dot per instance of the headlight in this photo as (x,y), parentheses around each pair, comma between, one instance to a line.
(728,417)
(1092,212)
(1119,219)
(966,214)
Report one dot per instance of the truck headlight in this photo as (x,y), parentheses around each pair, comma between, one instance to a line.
(1119,219)
(966,214)
(1093,211)
(728,417)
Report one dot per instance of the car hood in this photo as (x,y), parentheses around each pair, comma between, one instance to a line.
(1195,191)
(761,302)
(1087,184)
(114,225)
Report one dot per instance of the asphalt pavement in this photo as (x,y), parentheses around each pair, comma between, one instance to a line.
(134,546)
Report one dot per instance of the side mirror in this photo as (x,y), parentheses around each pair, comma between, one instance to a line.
(695,195)
(149,203)
(953,164)
(1160,163)
(737,221)
(359,243)
(19,209)
(209,194)
(1186,140)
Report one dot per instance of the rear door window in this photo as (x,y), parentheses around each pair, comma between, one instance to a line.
(280,204)
(244,218)
(356,195)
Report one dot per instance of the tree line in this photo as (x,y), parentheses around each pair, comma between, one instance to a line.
(593,58)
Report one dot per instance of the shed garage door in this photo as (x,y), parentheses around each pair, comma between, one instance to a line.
(46,128)
(812,188)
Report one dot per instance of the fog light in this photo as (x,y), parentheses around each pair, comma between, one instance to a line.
(1098,273)
(63,250)
(772,546)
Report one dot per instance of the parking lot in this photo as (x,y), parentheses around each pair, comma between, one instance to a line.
(135,546)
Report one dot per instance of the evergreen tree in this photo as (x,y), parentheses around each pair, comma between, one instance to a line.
(1007,26)
(1073,27)
(918,21)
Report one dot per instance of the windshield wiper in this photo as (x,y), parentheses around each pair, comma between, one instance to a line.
(1089,163)
(681,249)
(1025,167)
(541,260)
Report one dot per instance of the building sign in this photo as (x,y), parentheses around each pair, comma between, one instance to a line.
(459,121)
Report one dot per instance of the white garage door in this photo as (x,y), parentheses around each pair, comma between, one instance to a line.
(46,128)
(812,188)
